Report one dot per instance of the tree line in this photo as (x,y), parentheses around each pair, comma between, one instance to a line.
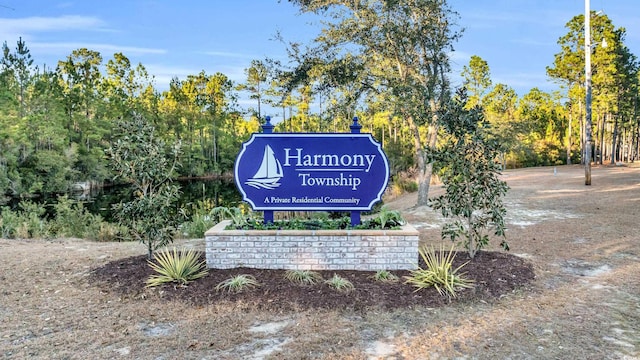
(383,61)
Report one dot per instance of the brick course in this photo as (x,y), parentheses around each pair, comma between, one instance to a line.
(369,250)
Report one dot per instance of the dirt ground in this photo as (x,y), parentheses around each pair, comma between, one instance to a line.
(582,243)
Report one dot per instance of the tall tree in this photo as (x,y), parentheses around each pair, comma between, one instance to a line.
(476,79)
(256,80)
(400,47)
(473,189)
(610,66)
(18,65)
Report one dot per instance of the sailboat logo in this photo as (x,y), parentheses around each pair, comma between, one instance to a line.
(269,173)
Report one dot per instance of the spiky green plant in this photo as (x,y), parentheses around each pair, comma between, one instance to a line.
(339,283)
(176,266)
(439,273)
(385,276)
(303,277)
(238,283)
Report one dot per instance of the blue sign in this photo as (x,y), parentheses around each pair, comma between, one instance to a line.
(311,171)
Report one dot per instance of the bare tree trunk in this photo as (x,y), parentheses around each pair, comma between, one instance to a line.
(582,135)
(614,136)
(569,138)
(425,170)
(602,130)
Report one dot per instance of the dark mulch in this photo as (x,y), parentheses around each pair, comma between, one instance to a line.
(494,273)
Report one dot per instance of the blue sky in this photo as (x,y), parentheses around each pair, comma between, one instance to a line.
(177,38)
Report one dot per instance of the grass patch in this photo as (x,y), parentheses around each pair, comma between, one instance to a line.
(238,283)
(303,277)
(385,276)
(339,283)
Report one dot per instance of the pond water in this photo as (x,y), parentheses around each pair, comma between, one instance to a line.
(215,192)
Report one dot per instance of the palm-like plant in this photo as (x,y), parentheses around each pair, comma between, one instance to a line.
(439,273)
(176,266)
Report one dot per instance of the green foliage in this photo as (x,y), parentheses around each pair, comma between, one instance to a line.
(339,283)
(386,219)
(200,221)
(402,183)
(385,276)
(303,277)
(31,222)
(73,220)
(439,273)
(238,283)
(175,266)
(237,216)
(473,190)
(139,157)
(9,222)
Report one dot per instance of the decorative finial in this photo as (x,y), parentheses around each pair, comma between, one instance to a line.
(355,127)
(267,128)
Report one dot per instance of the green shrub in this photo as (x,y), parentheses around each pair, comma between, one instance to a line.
(201,220)
(340,284)
(439,273)
(303,277)
(31,222)
(403,183)
(176,266)
(138,156)
(106,231)
(238,283)
(9,222)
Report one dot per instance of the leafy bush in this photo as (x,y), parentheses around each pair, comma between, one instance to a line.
(438,273)
(72,219)
(140,157)
(9,222)
(105,231)
(176,267)
(25,223)
(303,277)
(339,283)
(473,189)
(402,183)
(238,283)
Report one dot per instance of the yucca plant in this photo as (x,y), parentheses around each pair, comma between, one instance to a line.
(339,283)
(385,276)
(439,273)
(176,266)
(238,283)
(303,277)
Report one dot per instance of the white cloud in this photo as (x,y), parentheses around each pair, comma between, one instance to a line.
(47,24)
(104,49)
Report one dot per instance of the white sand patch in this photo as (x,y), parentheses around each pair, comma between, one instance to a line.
(269,328)
(380,350)
(517,215)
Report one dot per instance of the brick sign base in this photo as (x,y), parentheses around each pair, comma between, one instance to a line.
(367,250)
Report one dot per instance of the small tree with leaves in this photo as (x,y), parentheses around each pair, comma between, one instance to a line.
(466,163)
(138,156)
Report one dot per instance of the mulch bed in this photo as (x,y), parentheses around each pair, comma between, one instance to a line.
(495,274)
